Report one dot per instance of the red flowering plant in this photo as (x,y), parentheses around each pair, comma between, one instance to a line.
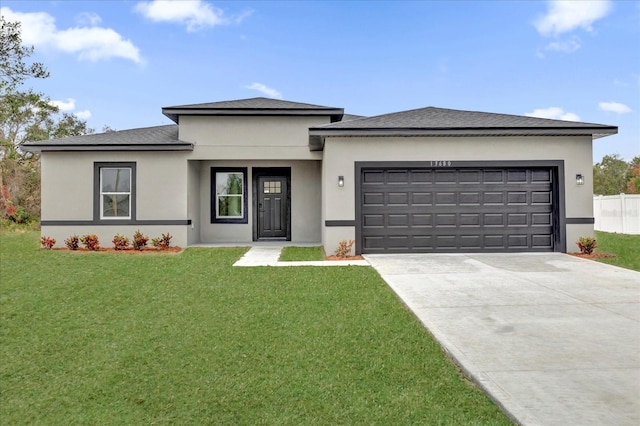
(120,242)
(587,245)
(139,240)
(90,241)
(7,209)
(47,242)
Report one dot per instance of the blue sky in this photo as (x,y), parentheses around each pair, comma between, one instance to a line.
(117,63)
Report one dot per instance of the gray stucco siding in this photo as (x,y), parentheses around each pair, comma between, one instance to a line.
(341,154)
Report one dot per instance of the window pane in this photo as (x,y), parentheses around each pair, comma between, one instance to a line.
(116,180)
(230,206)
(229,183)
(115,205)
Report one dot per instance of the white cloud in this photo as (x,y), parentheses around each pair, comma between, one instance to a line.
(567,46)
(88,19)
(563,16)
(195,14)
(83,115)
(69,105)
(272,93)
(614,107)
(554,113)
(88,43)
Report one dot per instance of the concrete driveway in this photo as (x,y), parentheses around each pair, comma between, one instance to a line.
(552,338)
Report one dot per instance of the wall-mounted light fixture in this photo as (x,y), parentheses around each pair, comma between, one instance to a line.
(340,181)
(579,179)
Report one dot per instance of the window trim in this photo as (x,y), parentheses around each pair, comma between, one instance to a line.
(97,192)
(214,197)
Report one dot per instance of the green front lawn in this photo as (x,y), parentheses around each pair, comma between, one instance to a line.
(625,247)
(293,253)
(104,338)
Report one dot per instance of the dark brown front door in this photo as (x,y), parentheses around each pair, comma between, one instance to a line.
(272,207)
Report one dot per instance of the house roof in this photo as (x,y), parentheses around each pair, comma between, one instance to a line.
(253,106)
(159,138)
(433,121)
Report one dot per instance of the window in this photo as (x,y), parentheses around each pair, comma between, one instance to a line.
(229,195)
(114,185)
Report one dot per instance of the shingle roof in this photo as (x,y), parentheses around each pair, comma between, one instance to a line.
(157,138)
(442,118)
(433,121)
(253,106)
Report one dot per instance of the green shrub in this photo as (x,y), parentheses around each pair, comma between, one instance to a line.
(20,216)
(587,245)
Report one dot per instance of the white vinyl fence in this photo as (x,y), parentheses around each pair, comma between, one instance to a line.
(617,213)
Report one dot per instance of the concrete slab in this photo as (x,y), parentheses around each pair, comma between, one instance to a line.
(554,339)
(268,255)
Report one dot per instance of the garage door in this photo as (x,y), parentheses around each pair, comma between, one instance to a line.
(451,209)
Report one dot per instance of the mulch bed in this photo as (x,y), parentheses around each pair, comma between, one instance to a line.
(344,258)
(593,255)
(171,250)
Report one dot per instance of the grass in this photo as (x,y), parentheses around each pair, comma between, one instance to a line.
(102,338)
(625,247)
(291,254)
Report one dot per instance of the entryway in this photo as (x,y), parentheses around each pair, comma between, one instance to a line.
(272,203)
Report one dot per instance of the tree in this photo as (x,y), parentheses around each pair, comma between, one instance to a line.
(610,175)
(13,68)
(633,176)
(25,115)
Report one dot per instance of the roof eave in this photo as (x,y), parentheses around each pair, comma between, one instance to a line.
(174,113)
(317,135)
(34,148)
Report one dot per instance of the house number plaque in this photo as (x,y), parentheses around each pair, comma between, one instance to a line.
(440,163)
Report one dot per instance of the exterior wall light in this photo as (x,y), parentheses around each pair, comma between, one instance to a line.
(340,181)
(579,179)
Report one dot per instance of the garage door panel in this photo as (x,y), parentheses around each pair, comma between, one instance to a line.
(374,199)
(398,198)
(457,209)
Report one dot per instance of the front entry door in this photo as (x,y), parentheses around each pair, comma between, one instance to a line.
(273,207)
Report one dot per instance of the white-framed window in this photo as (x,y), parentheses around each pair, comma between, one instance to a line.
(114,191)
(228,195)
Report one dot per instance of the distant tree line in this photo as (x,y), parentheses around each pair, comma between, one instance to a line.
(613,176)
(25,115)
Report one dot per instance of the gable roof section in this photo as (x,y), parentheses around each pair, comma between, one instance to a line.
(159,138)
(433,121)
(253,106)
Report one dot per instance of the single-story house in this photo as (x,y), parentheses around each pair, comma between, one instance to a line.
(240,171)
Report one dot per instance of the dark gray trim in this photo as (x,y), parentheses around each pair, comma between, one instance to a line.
(114,222)
(557,166)
(580,221)
(245,216)
(133,147)
(257,172)
(96,191)
(331,223)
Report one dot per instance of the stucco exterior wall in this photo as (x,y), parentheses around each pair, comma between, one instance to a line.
(193,201)
(305,202)
(250,138)
(68,194)
(341,153)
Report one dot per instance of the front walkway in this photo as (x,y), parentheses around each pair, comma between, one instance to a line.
(268,255)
